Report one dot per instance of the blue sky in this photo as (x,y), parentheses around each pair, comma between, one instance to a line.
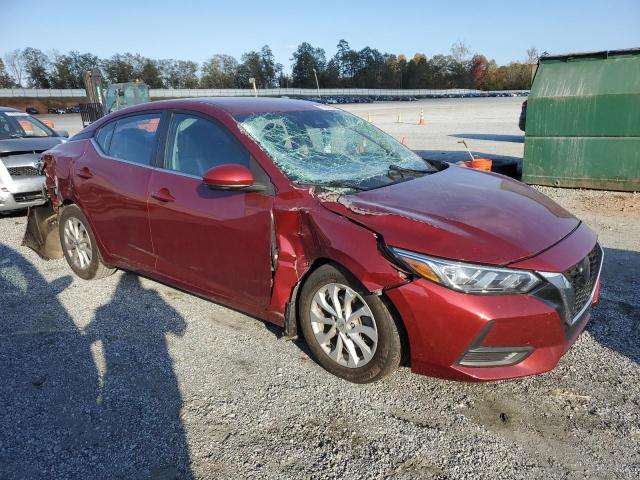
(197,29)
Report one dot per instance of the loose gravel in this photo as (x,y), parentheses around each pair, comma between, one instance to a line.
(128,378)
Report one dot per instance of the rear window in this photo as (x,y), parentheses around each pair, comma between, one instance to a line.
(133,138)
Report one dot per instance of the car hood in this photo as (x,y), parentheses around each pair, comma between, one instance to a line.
(461,214)
(23,145)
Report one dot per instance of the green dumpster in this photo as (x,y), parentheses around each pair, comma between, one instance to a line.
(583,121)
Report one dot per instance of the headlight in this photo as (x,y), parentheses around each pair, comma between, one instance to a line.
(466,277)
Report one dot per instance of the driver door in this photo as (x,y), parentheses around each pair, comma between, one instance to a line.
(214,241)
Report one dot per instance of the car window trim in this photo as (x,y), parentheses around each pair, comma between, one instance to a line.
(163,157)
(115,159)
(97,131)
(153,159)
(161,138)
(172,113)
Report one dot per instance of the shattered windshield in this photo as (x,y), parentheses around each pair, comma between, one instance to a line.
(331,148)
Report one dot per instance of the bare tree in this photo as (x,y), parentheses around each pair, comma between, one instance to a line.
(460,51)
(15,64)
(532,56)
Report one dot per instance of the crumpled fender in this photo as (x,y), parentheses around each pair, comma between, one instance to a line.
(42,235)
(305,234)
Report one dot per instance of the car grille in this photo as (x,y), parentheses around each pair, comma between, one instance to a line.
(22,171)
(583,277)
(28,196)
(570,292)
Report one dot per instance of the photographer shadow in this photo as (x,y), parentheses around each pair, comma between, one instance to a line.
(101,402)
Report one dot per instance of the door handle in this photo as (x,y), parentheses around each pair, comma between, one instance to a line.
(84,172)
(164,195)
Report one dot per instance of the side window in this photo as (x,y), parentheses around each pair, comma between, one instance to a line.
(195,145)
(134,137)
(103,136)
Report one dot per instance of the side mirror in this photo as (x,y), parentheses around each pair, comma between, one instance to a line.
(62,133)
(228,177)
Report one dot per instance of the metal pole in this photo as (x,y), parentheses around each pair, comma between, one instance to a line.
(315,74)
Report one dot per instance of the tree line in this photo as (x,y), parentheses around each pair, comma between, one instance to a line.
(348,68)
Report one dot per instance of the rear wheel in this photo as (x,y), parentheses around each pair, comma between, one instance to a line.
(350,332)
(79,245)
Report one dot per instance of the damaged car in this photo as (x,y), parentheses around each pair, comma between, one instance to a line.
(311,218)
(22,141)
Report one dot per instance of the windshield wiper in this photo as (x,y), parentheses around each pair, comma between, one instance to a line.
(335,185)
(399,169)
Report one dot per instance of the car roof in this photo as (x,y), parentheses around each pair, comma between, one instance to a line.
(8,109)
(234,105)
(241,106)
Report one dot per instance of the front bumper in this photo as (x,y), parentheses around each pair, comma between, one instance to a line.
(18,194)
(443,325)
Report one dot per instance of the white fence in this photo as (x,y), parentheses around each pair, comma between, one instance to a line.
(300,92)
(233,92)
(42,92)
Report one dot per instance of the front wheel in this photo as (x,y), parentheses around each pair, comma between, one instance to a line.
(351,333)
(79,245)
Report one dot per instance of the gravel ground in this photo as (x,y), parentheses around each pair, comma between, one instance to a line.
(128,378)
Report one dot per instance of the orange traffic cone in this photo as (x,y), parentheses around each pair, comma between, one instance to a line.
(404,140)
(421,122)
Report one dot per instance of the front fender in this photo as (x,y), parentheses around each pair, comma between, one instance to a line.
(308,236)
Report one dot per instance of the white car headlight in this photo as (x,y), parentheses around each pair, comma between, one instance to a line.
(466,277)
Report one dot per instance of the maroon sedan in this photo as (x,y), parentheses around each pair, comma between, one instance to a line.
(313,219)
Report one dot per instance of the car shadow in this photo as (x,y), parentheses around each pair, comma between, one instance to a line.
(615,322)
(14,214)
(491,137)
(98,402)
(298,340)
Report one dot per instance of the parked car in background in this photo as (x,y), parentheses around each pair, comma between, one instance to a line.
(315,220)
(31,110)
(22,140)
(74,109)
(57,110)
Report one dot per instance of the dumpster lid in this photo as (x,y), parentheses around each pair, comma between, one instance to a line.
(600,54)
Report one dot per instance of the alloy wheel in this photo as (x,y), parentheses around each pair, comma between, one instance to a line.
(343,325)
(77,243)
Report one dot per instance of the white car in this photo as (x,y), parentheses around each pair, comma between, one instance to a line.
(22,141)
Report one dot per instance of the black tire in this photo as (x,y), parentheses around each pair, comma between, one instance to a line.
(95,267)
(388,352)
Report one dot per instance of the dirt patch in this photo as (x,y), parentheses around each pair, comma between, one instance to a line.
(552,427)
